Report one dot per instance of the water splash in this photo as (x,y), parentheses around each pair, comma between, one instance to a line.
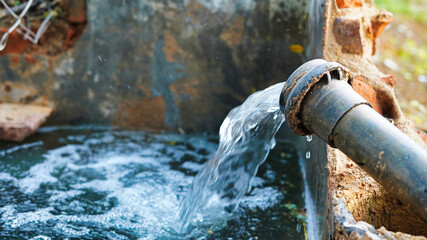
(246,137)
(100,183)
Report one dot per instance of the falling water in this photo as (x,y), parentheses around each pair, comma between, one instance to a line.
(246,138)
(89,183)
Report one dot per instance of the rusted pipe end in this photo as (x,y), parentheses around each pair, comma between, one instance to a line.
(301,82)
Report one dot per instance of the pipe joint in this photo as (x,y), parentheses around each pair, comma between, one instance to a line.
(304,80)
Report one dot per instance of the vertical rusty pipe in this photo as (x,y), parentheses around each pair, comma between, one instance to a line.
(318,98)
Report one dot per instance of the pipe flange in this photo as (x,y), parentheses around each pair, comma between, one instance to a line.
(301,82)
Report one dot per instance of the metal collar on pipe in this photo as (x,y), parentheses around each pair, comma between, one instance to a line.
(301,82)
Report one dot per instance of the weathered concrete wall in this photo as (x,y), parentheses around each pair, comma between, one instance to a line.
(163,64)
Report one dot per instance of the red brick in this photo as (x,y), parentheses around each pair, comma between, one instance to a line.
(347,34)
(348,3)
(367,92)
(379,22)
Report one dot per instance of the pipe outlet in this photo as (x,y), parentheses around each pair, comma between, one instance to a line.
(318,99)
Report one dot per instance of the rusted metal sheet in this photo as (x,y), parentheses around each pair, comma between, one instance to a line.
(163,64)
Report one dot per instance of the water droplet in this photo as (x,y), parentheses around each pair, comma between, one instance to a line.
(309,138)
(299,227)
(308,154)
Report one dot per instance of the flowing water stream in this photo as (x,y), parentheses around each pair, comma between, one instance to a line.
(246,137)
(100,183)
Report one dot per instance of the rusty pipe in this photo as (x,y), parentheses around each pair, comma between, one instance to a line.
(318,99)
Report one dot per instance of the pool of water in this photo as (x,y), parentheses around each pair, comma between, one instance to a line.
(102,183)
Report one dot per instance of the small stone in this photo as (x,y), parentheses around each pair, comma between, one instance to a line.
(18,121)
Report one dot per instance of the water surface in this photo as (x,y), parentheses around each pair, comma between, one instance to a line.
(100,183)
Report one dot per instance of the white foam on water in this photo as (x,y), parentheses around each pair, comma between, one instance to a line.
(106,183)
(20,147)
(262,198)
(192,166)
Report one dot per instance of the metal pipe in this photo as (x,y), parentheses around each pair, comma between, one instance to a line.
(318,98)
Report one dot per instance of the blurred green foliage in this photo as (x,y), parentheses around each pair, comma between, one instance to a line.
(415,9)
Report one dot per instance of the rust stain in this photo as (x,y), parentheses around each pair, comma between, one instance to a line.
(30,59)
(15,44)
(234,33)
(73,33)
(14,59)
(188,88)
(146,114)
(146,91)
(171,47)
